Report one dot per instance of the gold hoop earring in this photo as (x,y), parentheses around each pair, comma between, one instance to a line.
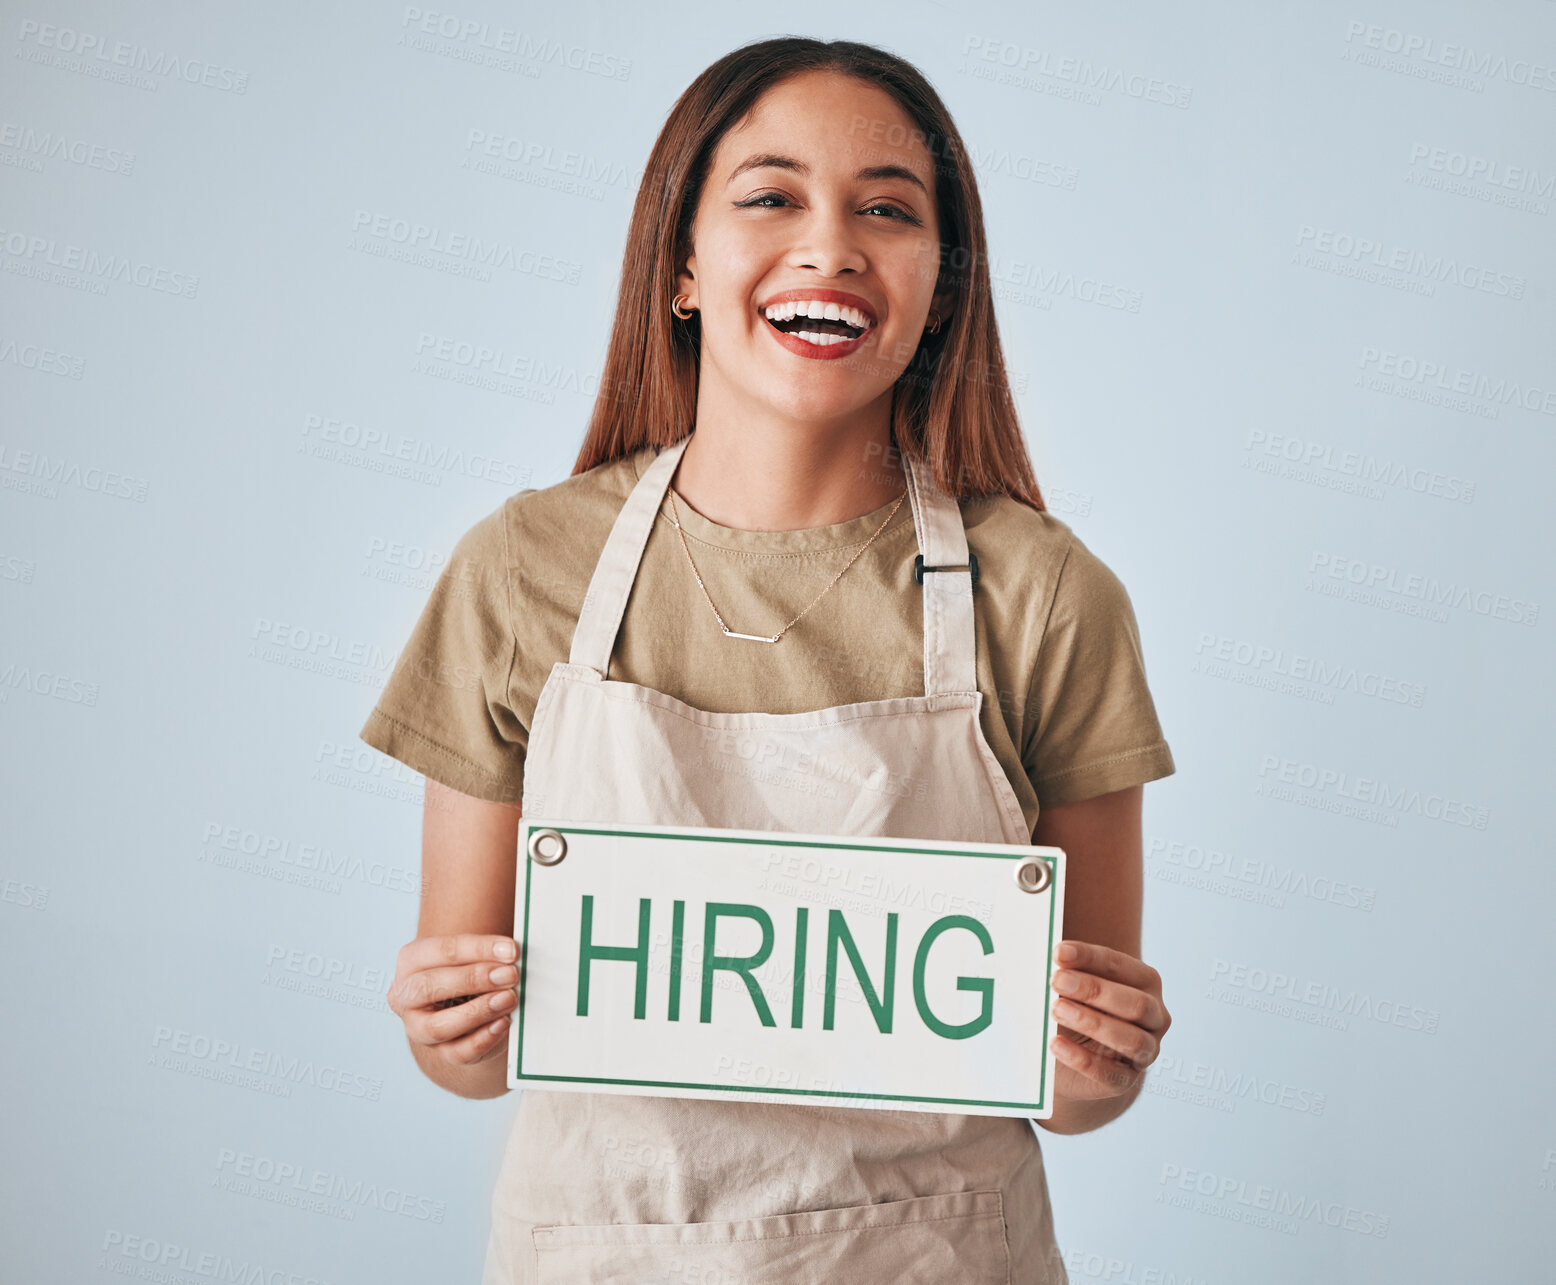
(675,307)
(934,326)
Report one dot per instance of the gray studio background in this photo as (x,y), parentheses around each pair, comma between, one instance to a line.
(1275,287)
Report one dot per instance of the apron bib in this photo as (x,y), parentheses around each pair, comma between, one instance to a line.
(617,1188)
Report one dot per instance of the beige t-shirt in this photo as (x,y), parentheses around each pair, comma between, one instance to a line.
(1066,707)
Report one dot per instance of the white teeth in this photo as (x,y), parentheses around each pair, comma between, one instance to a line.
(816,308)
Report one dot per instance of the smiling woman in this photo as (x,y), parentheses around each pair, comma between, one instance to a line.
(802,520)
(827,174)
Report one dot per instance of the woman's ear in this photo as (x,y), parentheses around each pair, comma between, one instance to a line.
(942,302)
(686,281)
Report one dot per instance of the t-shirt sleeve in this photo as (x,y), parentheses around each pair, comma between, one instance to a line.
(445,711)
(1095,728)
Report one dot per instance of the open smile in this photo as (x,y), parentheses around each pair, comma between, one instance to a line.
(824,324)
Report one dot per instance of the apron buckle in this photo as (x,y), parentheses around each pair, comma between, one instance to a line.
(970,565)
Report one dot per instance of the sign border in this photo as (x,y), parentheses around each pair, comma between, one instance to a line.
(518,1076)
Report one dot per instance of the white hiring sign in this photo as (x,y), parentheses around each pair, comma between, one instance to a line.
(765,966)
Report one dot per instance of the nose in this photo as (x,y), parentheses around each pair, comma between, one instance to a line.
(828,242)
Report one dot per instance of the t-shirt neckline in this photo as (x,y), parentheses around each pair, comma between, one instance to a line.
(837,535)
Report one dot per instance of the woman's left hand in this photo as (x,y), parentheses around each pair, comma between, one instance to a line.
(1111,1016)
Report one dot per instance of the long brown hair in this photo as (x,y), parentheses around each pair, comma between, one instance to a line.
(951,407)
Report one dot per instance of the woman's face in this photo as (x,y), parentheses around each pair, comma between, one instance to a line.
(826,194)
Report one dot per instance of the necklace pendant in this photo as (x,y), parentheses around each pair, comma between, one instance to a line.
(675,521)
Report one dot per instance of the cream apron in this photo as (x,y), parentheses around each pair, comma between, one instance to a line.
(616,1188)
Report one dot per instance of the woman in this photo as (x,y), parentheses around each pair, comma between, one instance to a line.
(804,390)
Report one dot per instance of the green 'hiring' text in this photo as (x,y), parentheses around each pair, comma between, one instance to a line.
(879,998)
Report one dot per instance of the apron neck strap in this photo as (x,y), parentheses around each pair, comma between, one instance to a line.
(949,642)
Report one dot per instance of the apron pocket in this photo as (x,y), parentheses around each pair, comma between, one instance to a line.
(956,1236)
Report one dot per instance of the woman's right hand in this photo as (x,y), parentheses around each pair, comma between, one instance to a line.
(454,994)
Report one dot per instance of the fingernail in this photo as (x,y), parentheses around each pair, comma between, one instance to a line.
(1066,1011)
(504,976)
(505,950)
(498,1025)
(1066,983)
(1065,952)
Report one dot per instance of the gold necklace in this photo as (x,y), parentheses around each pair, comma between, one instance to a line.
(730,633)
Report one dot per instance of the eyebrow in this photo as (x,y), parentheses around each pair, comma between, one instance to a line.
(770,160)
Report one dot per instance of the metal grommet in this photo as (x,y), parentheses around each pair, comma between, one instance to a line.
(547,856)
(1033,875)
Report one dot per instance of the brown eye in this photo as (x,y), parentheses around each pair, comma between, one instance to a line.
(897,211)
